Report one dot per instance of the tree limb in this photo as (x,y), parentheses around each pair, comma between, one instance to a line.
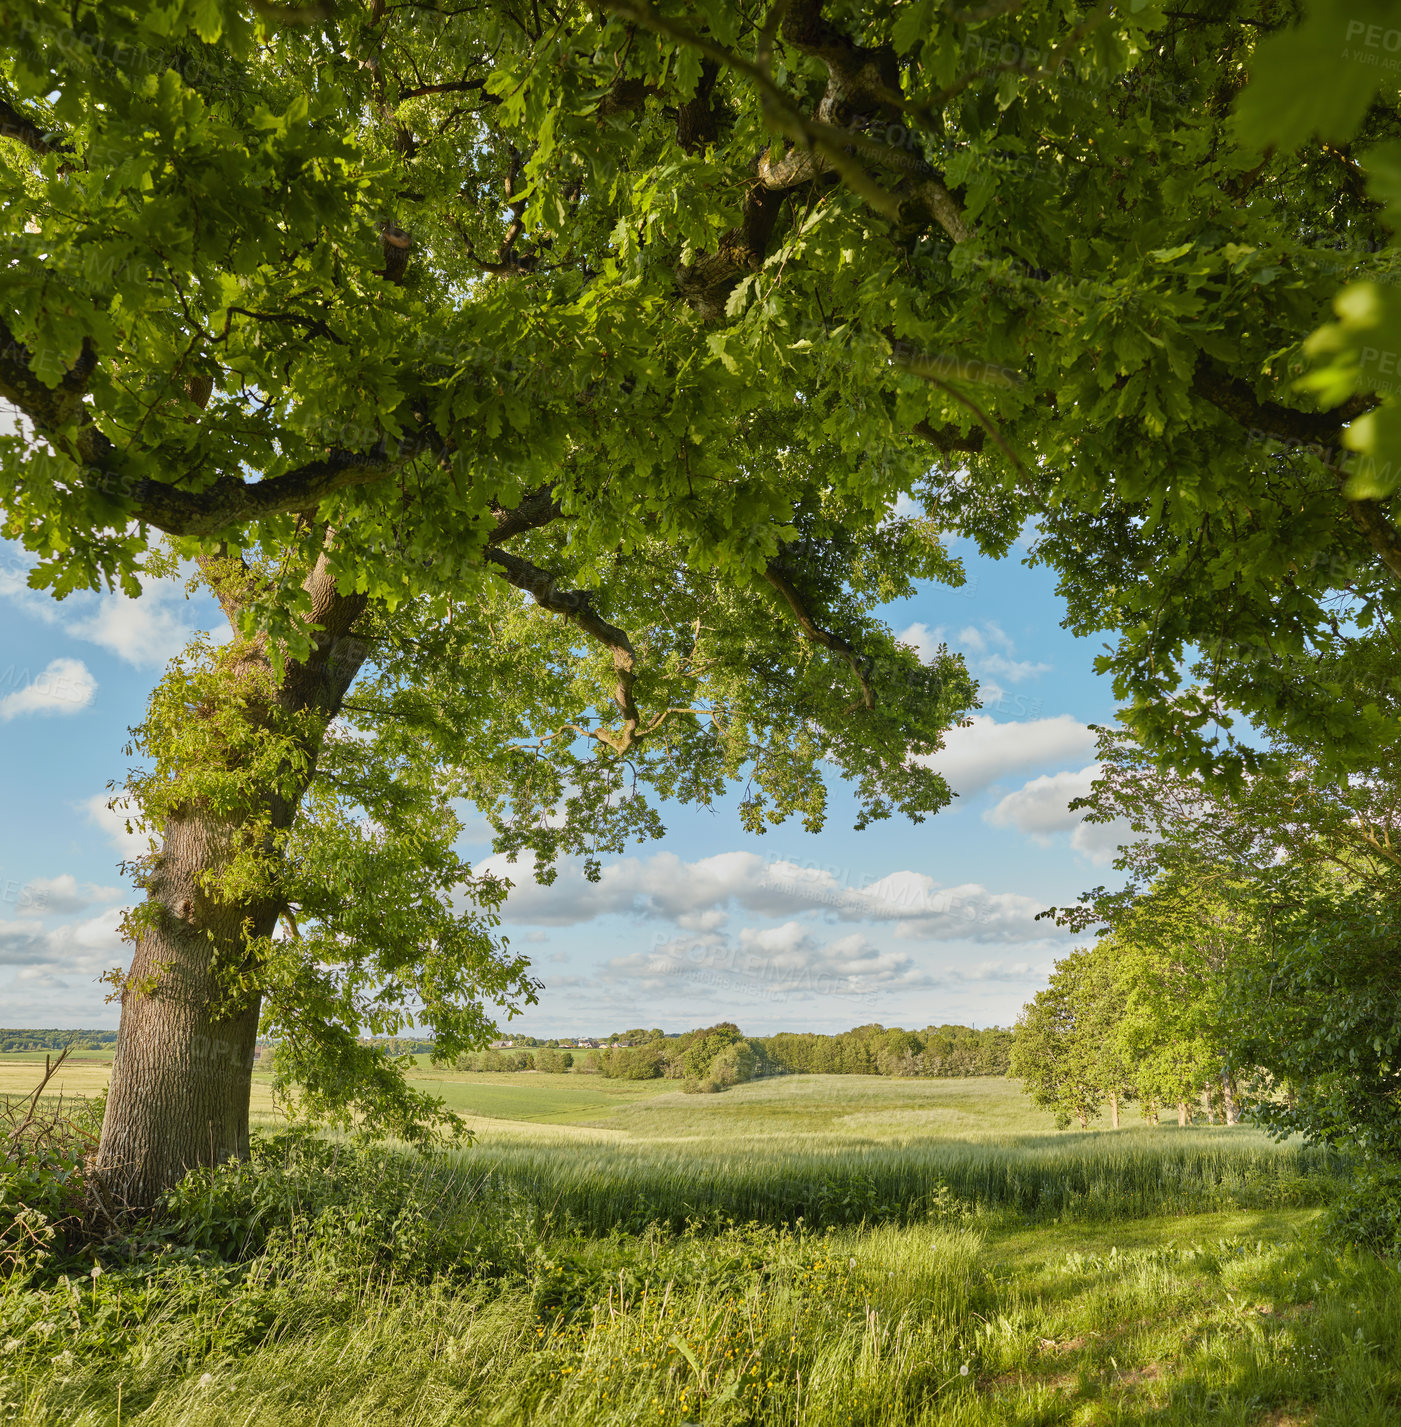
(576,606)
(14,125)
(861,664)
(1320,431)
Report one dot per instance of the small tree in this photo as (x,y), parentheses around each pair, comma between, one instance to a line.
(1055,1051)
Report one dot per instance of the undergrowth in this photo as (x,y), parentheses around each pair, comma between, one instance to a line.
(328,1283)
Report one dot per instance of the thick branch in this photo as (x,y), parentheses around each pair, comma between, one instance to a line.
(1237,399)
(14,125)
(949,439)
(539,508)
(60,418)
(861,80)
(860,663)
(576,606)
(1318,430)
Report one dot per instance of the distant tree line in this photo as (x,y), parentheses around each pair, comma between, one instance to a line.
(935,1052)
(12,1041)
(714,1057)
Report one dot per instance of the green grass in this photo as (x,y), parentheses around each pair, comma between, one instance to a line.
(533,1097)
(808,1250)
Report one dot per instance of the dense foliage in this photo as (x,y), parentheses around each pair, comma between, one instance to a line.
(1248,959)
(653,313)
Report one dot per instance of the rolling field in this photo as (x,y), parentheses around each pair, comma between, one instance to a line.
(808,1249)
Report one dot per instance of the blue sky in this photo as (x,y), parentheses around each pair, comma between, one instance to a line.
(901,924)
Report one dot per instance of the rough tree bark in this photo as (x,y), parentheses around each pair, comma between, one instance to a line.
(1228,1096)
(182,1073)
(1114,1108)
(1182,1114)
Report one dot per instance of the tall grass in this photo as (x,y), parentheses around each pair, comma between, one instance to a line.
(1091,1179)
(796,1258)
(894,1325)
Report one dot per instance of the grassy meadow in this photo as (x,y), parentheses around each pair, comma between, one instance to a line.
(808,1249)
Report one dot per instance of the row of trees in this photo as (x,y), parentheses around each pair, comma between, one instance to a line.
(710,1058)
(876,1050)
(1248,962)
(866,1050)
(1133,1019)
(13,1040)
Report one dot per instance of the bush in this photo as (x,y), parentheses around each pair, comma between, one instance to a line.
(642,1062)
(1368,1212)
(554,1062)
(735,1063)
(44,1145)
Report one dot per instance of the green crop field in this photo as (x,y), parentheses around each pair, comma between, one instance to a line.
(809,1249)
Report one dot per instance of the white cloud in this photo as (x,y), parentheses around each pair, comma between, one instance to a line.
(1013,670)
(1040,809)
(662,886)
(49,896)
(113,822)
(698,897)
(147,631)
(979,639)
(925,641)
(65,686)
(1100,842)
(975,757)
(788,962)
(22,942)
(75,948)
(988,651)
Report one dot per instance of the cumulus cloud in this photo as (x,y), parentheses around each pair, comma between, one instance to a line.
(785,961)
(114,823)
(1041,807)
(987,648)
(147,631)
(698,897)
(789,962)
(975,757)
(1013,670)
(64,894)
(1040,810)
(64,686)
(1100,842)
(22,942)
(923,639)
(75,947)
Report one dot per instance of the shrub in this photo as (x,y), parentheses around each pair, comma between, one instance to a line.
(643,1062)
(44,1145)
(735,1063)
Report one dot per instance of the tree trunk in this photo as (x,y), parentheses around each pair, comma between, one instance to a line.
(1182,1114)
(181,1076)
(182,1072)
(1228,1096)
(1114,1108)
